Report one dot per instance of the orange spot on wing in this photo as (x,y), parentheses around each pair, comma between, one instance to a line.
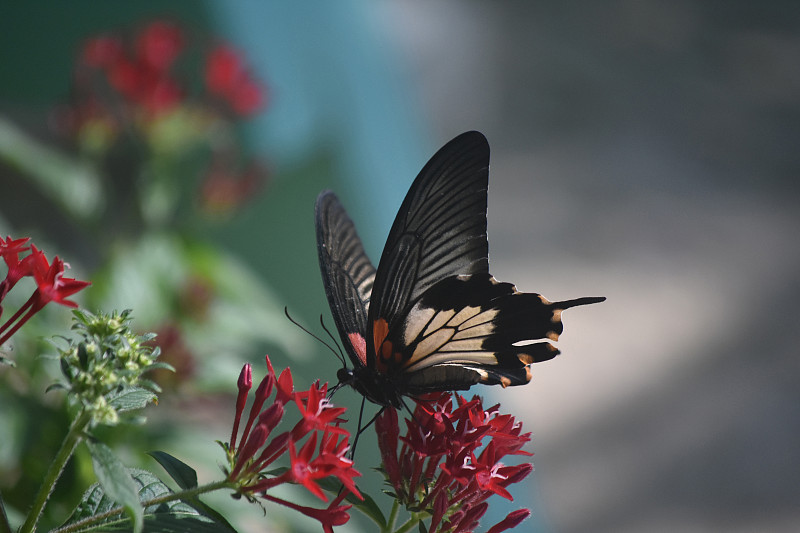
(380,328)
(383,348)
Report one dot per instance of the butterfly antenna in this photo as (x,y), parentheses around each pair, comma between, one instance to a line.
(296,323)
(333,339)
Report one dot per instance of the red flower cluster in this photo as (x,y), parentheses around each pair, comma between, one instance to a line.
(227,78)
(52,286)
(141,75)
(443,466)
(140,70)
(322,445)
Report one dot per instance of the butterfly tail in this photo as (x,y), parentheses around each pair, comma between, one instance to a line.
(566,304)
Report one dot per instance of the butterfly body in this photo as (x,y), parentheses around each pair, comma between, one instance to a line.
(431,317)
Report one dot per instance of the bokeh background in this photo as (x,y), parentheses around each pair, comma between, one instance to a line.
(646,151)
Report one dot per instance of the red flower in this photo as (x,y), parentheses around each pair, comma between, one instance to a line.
(322,444)
(302,471)
(490,479)
(513,519)
(126,76)
(246,98)
(333,515)
(142,75)
(159,44)
(51,285)
(223,70)
(449,460)
(317,412)
(142,84)
(226,78)
(162,95)
(10,250)
(333,459)
(244,384)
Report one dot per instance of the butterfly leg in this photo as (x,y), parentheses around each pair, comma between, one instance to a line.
(361,428)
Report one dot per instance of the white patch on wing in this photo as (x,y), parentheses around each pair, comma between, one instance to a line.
(465,345)
(416,320)
(463,315)
(483,318)
(439,320)
(431,343)
(448,336)
(483,330)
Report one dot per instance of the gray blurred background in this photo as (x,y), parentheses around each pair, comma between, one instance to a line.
(646,151)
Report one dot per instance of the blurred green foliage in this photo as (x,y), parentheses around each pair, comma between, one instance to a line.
(137,215)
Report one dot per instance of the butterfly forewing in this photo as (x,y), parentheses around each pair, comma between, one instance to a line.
(347,273)
(439,232)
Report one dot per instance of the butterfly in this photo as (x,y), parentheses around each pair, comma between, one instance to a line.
(430,317)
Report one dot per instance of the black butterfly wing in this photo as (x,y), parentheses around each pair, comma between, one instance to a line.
(438,320)
(473,329)
(347,274)
(439,232)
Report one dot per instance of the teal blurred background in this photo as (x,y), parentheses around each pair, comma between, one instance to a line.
(644,151)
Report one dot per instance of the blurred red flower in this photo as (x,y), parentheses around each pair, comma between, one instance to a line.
(140,70)
(226,78)
(159,44)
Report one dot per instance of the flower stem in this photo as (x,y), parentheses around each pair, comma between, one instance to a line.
(56,467)
(411,522)
(7,334)
(392,515)
(187,494)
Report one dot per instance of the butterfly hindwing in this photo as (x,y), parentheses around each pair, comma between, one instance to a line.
(439,232)
(347,273)
(471,329)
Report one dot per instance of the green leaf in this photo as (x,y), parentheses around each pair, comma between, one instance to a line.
(149,385)
(167,517)
(159,365)
(131,398)
(65,369)
(164,523)
(183,474)
(219,521)
(56,386)
(74,184)
(82,314)
(367,506)
(116,481)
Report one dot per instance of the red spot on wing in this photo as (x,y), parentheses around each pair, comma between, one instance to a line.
(360,346)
